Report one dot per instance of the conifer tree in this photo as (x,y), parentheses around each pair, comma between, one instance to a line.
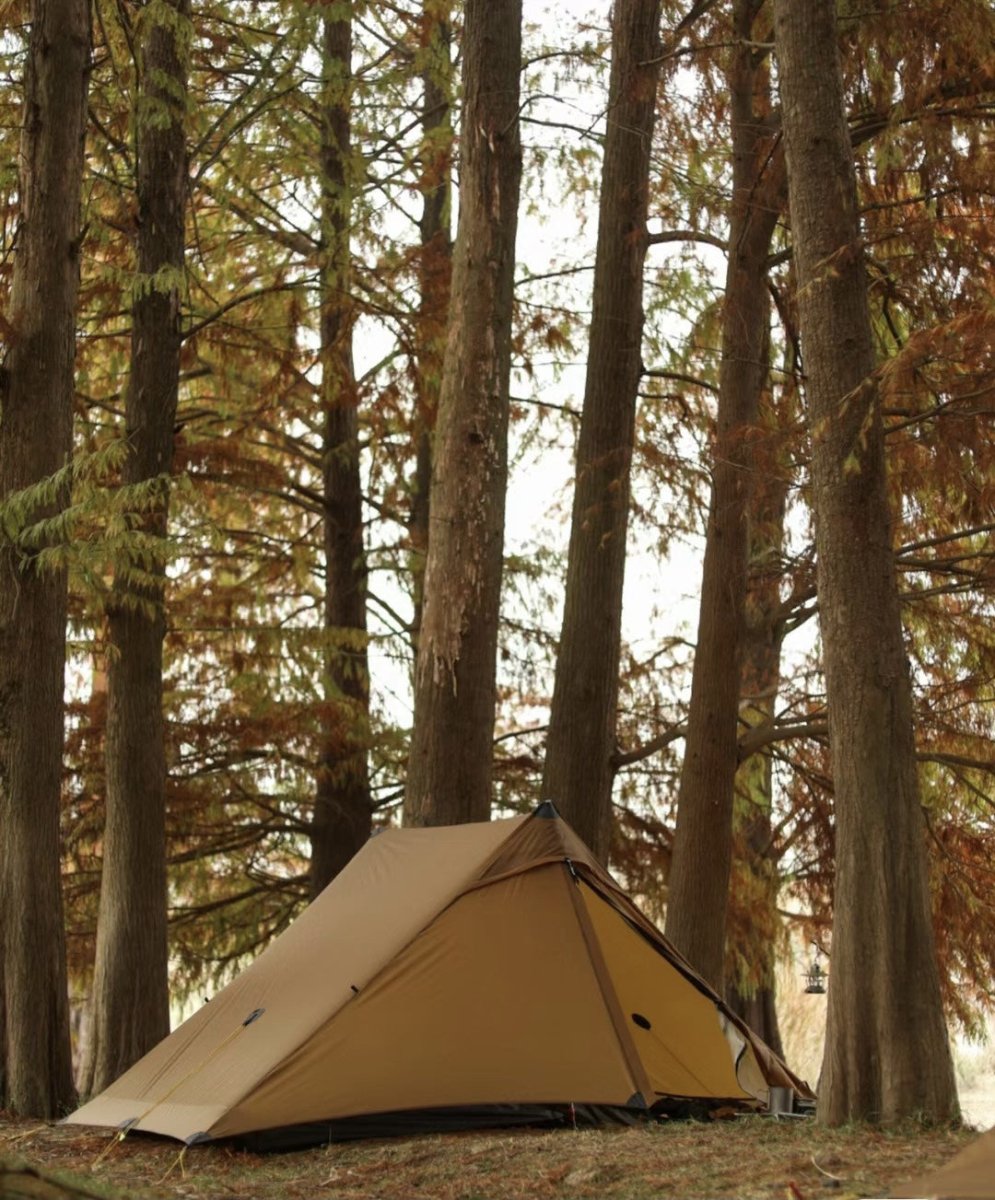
(450,762)
(342,815)
(887,1055)
(697,893)
(36,419)
(578,770)
(130,1003)
(435,272)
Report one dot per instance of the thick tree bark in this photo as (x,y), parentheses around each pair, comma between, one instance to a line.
(578,771)
(702,852)
(450,765)
(342,811)
(434,274)
(130,1006)
(887,1055)
(36,405)
(752,989)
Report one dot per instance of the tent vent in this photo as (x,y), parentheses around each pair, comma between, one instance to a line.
(354,989)
(253,1016)
(547,811)
(641,1021)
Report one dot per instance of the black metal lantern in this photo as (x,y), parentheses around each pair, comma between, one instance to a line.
(815,977)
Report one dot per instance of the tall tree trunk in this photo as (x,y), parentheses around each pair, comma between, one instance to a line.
(36,407)
(887,1055)
(702,851)
(435,273)
(751,990)
(578,771)
(342,811)
(131,987)
(450,765)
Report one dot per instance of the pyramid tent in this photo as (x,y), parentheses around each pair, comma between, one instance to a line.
(467,968)
(970,1175)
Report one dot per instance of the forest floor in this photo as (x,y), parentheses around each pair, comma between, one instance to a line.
(752,1158)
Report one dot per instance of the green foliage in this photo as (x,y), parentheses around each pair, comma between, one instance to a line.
(77,521)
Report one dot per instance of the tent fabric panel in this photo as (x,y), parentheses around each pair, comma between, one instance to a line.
(619,1019)
(496,1002)
(772,1068)
(180,1121)
(536,840)
(970,1175)
(389,892)
(677,1030)
(749,1071)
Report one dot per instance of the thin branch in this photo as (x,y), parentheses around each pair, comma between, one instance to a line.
(680,377)
(687,235)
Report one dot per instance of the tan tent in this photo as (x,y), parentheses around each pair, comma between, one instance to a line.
(968,1176)
(459,968)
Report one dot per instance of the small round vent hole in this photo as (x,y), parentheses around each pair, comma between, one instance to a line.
(641,1021)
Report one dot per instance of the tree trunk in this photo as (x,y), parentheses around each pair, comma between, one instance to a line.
(36,407)
(450,766)
(751,988)
(435,273)
(698,888)
(578,771)
(342,811)
(887,1056)
(131,985)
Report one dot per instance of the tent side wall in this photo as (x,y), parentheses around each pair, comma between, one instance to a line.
(677,1029)
(496,1002)
(386,895)
(759,1062)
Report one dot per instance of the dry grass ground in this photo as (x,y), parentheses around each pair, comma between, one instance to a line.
(749,1158)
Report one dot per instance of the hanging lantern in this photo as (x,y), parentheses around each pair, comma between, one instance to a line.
(815,977)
